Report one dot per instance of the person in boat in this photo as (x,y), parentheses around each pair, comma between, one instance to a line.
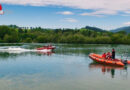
(108,56)
(104,55)
(113,53)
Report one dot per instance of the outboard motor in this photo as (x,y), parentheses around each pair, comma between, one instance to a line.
(125,62)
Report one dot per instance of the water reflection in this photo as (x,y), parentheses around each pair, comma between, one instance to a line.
(45,53)
(109,69)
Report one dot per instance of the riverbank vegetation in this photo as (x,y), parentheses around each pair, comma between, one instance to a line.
(15,34)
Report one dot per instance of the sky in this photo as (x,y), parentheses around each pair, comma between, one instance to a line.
(105,14)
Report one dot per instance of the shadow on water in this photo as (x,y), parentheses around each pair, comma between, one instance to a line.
(109,69)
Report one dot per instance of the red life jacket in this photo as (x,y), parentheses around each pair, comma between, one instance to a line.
(104,55)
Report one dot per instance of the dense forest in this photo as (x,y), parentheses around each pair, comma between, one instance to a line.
(15,34)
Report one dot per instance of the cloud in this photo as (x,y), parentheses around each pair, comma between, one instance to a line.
(66,13)
(99,13)
(90,14)
(70,20)
(109,6)
(128,12)
(127,23)
(125,15)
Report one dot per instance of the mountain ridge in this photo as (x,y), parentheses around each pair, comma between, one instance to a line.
(125,28)
(95,29)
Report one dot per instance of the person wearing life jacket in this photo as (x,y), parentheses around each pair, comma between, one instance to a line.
(113,53)
(108,55)
(104,55)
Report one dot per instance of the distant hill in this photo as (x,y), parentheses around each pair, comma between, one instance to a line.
(126,29)
(95,29)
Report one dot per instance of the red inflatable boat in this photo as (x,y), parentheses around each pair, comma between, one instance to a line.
(98,58)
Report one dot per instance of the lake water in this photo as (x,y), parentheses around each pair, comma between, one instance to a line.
(67,68)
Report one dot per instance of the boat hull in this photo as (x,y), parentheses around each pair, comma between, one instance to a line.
(47,48)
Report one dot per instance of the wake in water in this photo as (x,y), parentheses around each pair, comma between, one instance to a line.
(20,50)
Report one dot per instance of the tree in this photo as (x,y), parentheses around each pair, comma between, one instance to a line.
(41,39)
(28,40)
(4,30)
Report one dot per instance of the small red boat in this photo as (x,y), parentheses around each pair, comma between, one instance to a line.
(49,47)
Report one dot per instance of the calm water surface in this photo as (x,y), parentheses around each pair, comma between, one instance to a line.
(67,68)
